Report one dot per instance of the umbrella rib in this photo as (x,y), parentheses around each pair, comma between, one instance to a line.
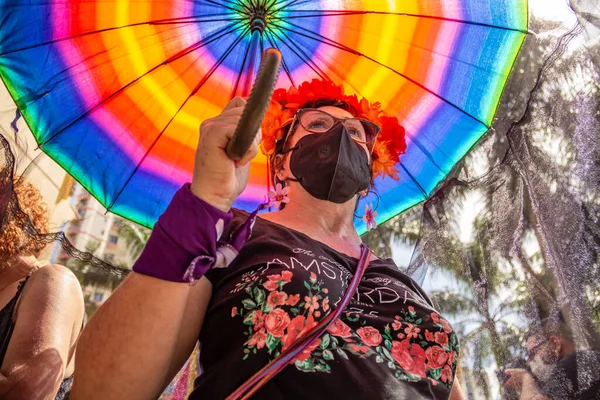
(303,57)
(283,62)
(171,21)
(215,3)
(333,13)
(412,178)
(333,43)
(207,40)
(206,77)
(239,77)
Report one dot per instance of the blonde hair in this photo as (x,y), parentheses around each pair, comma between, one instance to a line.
(27,212)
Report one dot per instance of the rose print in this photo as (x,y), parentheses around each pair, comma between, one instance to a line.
(441,338)
(435,317)
(233,312)
(446,324)
(258,339)
(292,300)
(397,324)
(276,299)
(306,352)
(312,303)
(429,336)
(326,304)
(451,357)
(369,335)
(358,348)
(447,374)
(276,322)
(340,329)
(412,331)
(413,360)
(411,309)
(258,320)
(436,357)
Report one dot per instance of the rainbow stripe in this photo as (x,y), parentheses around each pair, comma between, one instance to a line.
(115,91)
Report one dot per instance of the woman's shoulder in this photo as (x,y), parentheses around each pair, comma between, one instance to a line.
(54,280)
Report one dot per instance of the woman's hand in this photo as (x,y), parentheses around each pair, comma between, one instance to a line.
(218,180)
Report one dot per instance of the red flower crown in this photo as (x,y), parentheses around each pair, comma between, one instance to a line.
(390,142)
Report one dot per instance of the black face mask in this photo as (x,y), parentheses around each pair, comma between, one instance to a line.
(331,166)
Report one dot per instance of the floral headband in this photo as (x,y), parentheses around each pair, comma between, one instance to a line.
(390,142)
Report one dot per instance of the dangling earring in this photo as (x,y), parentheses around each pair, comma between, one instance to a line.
(369,214)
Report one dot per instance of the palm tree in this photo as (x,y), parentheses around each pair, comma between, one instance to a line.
(135,236)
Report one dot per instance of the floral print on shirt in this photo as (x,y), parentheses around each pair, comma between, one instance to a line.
(276,319)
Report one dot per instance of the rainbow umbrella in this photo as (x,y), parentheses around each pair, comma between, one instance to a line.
(115,91)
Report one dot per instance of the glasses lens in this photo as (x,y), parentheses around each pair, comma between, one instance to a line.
(316,121)
(356,129)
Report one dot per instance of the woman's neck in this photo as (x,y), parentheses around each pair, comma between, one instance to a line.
(17,268)
(319,217)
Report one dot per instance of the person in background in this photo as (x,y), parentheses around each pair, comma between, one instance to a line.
(557,370)
(41,307)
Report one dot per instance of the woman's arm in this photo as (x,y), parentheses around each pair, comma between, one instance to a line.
(140,337)
(456,393)
(49,318)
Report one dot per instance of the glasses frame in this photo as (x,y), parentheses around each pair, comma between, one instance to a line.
(336,120)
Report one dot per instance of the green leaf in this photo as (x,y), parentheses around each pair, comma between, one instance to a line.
(294,310)
(328,355)
(419,321)
(307,285)
(248,319)
(424,344)
(248,303)
(246,351)
(436,373)
(385,352)
(271,342)
(259,295)
(391,365)
(388,344)
(325,341)
(246,356)
(342,353)
(379,359)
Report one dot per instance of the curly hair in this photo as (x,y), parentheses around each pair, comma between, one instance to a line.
(27,215)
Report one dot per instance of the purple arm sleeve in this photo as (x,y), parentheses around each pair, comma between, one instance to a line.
(183,244)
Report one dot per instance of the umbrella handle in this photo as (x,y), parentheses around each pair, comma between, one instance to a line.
(256,106)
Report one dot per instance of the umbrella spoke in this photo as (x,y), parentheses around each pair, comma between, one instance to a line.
(169,21)
(283,63)
(206,77)
(205,41)
(334,13)
(301,55)
(217,4)
(325,40)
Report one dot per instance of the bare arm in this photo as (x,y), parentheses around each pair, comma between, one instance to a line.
(49,319)
(456,393)
(136,342)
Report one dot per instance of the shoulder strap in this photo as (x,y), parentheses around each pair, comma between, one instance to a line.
(268,372)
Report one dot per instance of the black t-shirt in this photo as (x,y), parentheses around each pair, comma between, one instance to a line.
(389,344)
(575,377)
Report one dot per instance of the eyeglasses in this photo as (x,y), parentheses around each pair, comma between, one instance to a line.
(317,121)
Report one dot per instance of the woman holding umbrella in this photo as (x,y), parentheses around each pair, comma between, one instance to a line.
(287,304)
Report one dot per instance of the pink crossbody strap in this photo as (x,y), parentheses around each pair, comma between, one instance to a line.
(260,378)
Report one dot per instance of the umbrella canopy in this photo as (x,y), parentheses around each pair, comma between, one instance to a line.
(115,91)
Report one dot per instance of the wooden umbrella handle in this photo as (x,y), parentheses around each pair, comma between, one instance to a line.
(256,106)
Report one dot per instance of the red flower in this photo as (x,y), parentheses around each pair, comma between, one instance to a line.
(411,359)
(433,381)
(340,329)
(233,312)
(447,374)
(306,352)
(429,336)
(451,357)
(412,331)
(258,320)
(435,317)
(441,338)
(396,325)
(271,285)
(312,303)
(258,339)
(286,276)
(401,336)
(292,300)
(411,309)
(313,277)
(274,280)
(276,299)
(276,322)
(358,348)
(297,328)
(436,357)
(447,327)
(369,335)
(326,304)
